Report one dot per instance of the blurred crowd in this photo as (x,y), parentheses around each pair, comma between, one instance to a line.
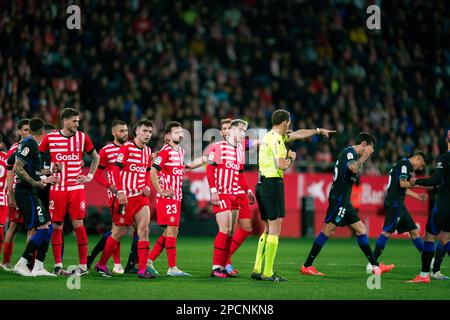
(206,60)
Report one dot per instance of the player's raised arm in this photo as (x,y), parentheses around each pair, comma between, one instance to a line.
(306,133)
(356,165)
(418,196)
(197,163)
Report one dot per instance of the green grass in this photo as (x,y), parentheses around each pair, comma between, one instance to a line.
(341,260)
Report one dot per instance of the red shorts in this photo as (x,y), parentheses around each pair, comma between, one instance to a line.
(15,215)
(4,210)
(63,201)
(168,212)
(244,206)
(134,205)
(227,202)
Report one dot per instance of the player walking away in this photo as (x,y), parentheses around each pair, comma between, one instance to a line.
(244,194)
(340,211)
(438,224)
(66,149)
(132,204)
(170,165)
(222,172)
(274,159)
(3,193)
(104,176)
(28,166)
(397,216)
(14,216)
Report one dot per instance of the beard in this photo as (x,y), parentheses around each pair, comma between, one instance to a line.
(122,140)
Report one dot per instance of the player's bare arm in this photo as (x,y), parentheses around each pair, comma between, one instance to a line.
(19,170)
(155,183)
(356,166)
(306,133)
(418,196)
(10,184)
(197,163)
(94,165)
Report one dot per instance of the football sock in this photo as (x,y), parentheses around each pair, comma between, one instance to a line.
(9,246)
(100,245)
(319,242)
(237,240)
(116,255)
(82,241)
(57,242)
(133,252)
(143,250)
(363,243)
(270,252)
(447,247)
(34,243)
(380,245)
(2,238)
(260,253)
(157,248)
(427,256)
(171,250)
(418,243)
(220,253)
(110,246)
(438,257)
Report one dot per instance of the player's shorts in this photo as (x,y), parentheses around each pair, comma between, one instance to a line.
(63,201)
(244,206)
(134,205)
(168,212)
(4,210)
(439,218)
(226,203)
(34,212)
(15,215)
(341,214)
(270,198)
(398,218)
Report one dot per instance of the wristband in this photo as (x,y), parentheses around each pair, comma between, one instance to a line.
(318,130)
(213,190)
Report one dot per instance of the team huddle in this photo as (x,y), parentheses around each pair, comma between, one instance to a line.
(41,181)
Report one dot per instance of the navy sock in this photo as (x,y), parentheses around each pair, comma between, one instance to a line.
(363,243)
(100,245)
(439,255)
(319,242)
(427,255)
(380,245)
(418,242)
(132,257)
(447,247)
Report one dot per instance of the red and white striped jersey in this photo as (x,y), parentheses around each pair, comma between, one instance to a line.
(9,167)
(170,164)
(69,152)
(108,155)
(3,192)
(135,164)
(228,160)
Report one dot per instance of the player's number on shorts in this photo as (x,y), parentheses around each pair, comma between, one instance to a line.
(341,212)
(171,208)
(222,204)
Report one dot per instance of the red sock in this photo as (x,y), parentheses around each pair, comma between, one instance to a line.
(110,246)
(143,249)
(2,237)
(158,248)
(220,249)
(237,240)
(82,244)
(116,255)
(9,246)
(171,250)
(57,242)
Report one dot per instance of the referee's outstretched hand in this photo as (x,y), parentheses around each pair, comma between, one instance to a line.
(326,132)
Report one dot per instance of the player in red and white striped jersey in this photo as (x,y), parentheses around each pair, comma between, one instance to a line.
(224,161)
(15,216)
(132,180)
(67,147)
(170,166)
(104,176)
(3,192)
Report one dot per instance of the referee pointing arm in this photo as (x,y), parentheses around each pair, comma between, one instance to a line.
(274,159)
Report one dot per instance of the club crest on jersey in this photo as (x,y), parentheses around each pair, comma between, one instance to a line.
(211,156)
(25,151)
(349,156)
(119,157)
(158,161)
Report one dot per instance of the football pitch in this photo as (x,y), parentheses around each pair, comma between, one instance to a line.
(341,260)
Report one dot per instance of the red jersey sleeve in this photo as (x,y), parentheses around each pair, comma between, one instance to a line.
(44,145)
(103,159)
(161,159)
(122,157)
(88,145)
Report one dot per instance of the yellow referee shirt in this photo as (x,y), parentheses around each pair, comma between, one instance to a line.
(272,148)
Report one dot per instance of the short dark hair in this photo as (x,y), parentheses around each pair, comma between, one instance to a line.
(421,154)
(142,122)
(365,137)
(116,123)
(36,125)
(22,122)
(172,124)
(69,113)
(280,115)
(48,127)
(224,121)
(237,122)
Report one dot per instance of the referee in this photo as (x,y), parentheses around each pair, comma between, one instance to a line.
(274,159)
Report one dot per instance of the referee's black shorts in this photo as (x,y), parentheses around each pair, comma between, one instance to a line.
(270,197)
